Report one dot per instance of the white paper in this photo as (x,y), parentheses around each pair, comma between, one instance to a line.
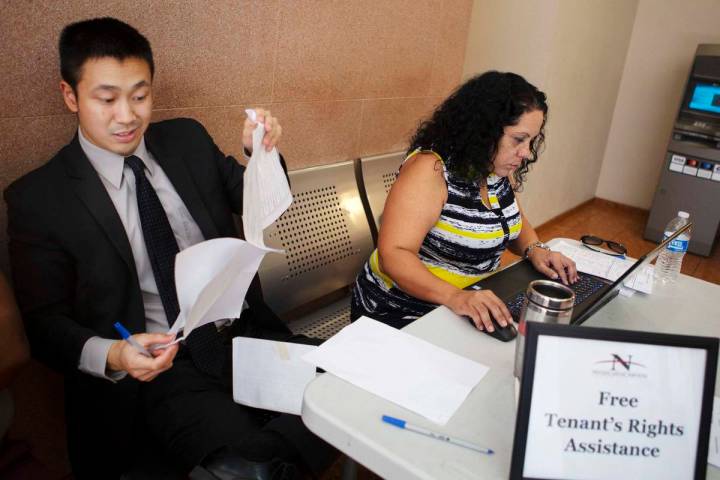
(270,375)
(606,266)
(266,191)
(716,173)
(642,281)
(576,429)
(403,369)
(714,447)
(627,292)
(212,277)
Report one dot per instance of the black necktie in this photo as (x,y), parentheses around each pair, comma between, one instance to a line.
(204,343)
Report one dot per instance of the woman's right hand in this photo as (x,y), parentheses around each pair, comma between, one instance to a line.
(481,306)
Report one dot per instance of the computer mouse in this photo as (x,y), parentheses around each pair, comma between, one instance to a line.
(504,334)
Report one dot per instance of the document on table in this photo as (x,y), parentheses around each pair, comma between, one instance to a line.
(271,375)
(714,447)
(212,277)
(399,367)
(606,266)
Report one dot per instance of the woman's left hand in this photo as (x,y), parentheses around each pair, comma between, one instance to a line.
(554,264)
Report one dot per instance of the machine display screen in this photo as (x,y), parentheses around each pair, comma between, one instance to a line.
(706,97)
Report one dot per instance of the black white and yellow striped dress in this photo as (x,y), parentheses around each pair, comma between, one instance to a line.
(464,245)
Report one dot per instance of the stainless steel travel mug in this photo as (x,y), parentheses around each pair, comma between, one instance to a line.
(545,301)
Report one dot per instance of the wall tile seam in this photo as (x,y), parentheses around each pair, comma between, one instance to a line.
(241,105)
(293,102)
(238,105)
(21,117)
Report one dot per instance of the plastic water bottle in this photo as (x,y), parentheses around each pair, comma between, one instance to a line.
(669,261)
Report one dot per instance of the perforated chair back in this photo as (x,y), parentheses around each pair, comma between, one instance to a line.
(325,235)
(379,173)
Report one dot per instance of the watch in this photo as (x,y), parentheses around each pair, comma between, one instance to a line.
(537,244)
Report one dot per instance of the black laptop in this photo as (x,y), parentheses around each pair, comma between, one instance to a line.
(591,292)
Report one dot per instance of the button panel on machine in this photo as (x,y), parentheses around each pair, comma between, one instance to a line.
(694,167)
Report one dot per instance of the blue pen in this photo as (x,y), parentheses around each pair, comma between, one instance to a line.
(438,436)
(128,338)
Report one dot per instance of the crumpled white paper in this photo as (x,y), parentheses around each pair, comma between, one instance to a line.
(212,277)
(266,190)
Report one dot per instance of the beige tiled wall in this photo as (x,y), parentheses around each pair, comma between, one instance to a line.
(347,78)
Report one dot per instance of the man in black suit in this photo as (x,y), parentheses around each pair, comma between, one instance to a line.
(93,235)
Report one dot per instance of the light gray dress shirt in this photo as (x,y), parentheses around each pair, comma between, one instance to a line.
(119,181)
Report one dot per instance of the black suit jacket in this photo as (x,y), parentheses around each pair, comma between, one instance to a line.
(74,272)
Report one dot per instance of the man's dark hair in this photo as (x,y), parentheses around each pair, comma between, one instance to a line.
(99,38)
(466,128)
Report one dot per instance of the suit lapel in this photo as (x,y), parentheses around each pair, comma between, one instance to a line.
(90,190)
(173,164)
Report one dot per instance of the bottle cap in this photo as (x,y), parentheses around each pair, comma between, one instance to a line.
(682,214)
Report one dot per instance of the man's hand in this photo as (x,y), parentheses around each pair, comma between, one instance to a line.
(124,357)
(273,130)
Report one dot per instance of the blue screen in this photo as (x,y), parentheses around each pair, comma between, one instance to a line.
(706,97)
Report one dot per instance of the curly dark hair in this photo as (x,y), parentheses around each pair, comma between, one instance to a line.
(466,128)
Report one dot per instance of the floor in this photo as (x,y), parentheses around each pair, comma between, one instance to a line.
(622,224)
(606,220)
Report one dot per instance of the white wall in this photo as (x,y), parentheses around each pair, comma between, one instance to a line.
(662,46)
(574,50)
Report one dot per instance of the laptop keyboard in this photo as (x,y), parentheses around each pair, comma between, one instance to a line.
(583,288)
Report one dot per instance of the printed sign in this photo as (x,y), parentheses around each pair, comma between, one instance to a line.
(677,162)
(716,172)
(599,403)
(688,170)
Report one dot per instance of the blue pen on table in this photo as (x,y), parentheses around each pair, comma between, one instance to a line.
(128,338)
(438,436)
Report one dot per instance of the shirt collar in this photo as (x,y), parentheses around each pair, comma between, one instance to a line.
(110,165)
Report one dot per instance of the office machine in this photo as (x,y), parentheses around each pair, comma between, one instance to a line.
(690,178)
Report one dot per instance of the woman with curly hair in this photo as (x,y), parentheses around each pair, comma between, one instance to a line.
(453,211)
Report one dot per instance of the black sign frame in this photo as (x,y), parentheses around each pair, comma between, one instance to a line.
(535,329)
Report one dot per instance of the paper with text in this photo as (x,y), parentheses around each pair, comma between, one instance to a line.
(266,190)
(212,277)
(612,409)
(270,375)
(399,367)
(606,266)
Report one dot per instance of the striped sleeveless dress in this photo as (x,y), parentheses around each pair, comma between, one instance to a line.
(463,246)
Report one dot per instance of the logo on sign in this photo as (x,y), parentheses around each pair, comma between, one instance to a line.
(617,365)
